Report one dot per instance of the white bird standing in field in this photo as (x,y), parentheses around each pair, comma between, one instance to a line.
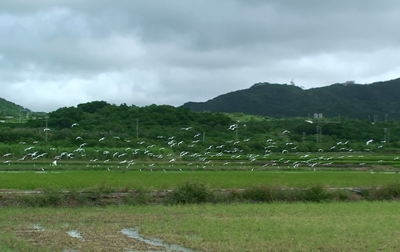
(369,141)
(74,124)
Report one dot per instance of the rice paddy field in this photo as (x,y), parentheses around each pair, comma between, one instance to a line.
(357,226)
(353,225)
(218,172)
(125,180)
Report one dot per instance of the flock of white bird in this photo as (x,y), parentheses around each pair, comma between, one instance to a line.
(228,154)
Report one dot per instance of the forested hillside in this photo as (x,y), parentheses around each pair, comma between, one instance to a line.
(376,101)
(10,110)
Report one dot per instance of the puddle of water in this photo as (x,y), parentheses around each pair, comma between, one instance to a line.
(12,172)
(38,227)
(133,233)
(194,237)
(140,250)
(75,234)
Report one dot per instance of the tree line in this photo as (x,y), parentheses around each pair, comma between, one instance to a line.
(126,126)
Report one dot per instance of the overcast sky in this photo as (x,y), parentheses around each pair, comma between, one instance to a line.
(61,53)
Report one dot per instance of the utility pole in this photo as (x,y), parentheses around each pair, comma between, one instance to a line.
(137,128)
(319,134)
(46,129)
(237,126)
(385,134)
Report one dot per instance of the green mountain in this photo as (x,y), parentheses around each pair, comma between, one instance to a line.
(12,112)
(9,109)
(376,101)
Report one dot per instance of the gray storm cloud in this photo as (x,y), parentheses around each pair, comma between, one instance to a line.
(170,52)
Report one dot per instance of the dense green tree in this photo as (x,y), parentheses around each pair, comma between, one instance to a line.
(125,126)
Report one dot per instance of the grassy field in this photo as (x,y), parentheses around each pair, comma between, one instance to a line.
(123,180)
(331,226)
(358,226)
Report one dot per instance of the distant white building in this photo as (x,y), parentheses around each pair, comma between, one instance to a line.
(349,82)
(318,115)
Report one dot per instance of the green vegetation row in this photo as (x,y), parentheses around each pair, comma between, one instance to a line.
(159,180)
(195,192)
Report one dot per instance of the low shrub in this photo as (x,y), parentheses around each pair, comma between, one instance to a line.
(262,193)
(315,193)
(195,192)
(190,192)
(48,197)
(234,195)
(387,192)
(340,195)
(140,197)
